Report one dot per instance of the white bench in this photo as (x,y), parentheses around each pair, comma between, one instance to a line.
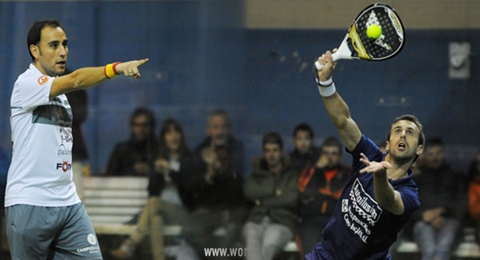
(113,201)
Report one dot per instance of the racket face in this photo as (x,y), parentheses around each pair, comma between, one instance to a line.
(391,41)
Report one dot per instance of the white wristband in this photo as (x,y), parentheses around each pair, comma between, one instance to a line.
(327,91)
(324,83)
(326,88)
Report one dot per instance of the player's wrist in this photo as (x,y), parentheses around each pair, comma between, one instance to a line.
(326,88)
(326,83)
(110,70)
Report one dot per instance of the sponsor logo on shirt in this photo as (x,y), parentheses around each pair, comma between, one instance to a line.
(64,166)
(65,137)
(42,80)
(63,151)
(362,213)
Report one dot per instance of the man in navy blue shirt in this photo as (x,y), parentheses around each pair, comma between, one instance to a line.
(380,195)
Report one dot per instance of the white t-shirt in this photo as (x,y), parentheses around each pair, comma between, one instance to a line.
(40,173)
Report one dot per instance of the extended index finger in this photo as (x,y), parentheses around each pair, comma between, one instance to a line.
(141,62)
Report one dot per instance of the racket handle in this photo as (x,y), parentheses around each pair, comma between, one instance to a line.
(320,66)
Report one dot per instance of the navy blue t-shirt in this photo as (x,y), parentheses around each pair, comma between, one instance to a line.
(359,228)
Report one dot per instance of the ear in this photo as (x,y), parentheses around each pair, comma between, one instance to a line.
(35,51)
(420,149)
(387,146)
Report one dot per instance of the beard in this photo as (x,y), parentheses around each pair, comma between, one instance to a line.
(402,157)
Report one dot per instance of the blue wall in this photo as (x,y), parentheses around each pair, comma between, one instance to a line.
(201,59)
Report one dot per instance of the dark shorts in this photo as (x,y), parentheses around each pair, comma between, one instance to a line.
(319,253)
(36,232)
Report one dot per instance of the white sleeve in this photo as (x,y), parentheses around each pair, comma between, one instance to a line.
(34,91)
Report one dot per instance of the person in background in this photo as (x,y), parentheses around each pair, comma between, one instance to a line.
(134,157)
(220,205)
(474,193)
(219,133)
(169,202)
(443,196)
(304,152)
(320,187)
(4,164)
(272,188)
(81,167)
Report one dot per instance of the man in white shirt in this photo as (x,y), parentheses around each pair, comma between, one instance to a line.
(44,215)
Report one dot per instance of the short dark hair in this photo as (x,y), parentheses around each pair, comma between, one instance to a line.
(220,112)
(435,141)
(414,119)
(332,141)
(142,111)
(303,127)
(35,32)
(272,138)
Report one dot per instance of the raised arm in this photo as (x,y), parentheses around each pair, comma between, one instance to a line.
(89,77)
(336,107)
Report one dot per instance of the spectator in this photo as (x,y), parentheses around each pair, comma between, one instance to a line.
(442,193)
(304,152)
(272,187)
(169,201)
(474,192)
(4,164)
(320,187)
(216,186)
(219,133)
(81,167)
(134,157)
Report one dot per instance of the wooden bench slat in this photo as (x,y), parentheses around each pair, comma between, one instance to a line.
(130,202)
(122,229)
(114,229)
(116,194)
(120,219)
(93,182)
(113,211)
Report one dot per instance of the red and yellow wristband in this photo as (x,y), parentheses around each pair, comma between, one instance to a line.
(110,70)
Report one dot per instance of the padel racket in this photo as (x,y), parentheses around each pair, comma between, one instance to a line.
(357,45)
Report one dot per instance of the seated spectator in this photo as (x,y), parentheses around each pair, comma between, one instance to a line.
(474,192)
(442,196)
(78,101)
(272,187)
(134,157)
(320,187)
(4,164)
(304,152)
(169,201)
(216,185)
(219,133)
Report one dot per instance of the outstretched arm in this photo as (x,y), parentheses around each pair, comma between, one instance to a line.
(89,77)
(336,107)
(387,197)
